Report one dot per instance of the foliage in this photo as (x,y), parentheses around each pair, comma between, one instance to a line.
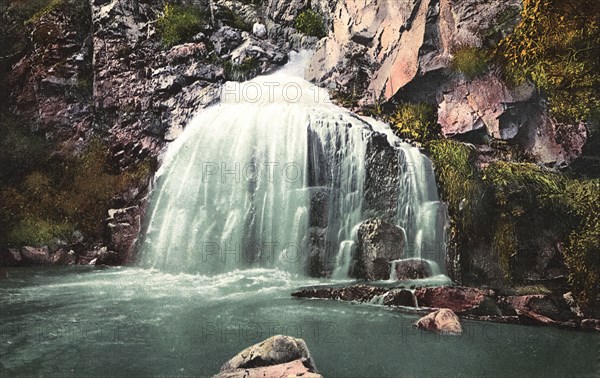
(51,6)
(459,181)
(416,121)
(232,18)
(243,71)
(179,23)
(55,198)
(310,23)
(470,60)
(582,250)
(20,149)
(505,244)
(556,46)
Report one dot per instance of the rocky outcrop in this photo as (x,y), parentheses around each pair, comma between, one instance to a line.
(463,300)
(277,356)
(442,321)
(379,243)
(400,297)
(357,293)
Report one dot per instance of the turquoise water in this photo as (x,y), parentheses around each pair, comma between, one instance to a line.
(85,321)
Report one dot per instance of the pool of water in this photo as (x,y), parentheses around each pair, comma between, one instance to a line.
(85,321)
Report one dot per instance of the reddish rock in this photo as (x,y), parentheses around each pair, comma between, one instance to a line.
(274,351)
(443,321)
(537,307)
(36,255)
(458,299)
(291,369)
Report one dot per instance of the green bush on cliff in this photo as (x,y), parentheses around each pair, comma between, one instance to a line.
(243,71)
(416,121)
(459,181)
(470,60)
(310,23)
(179,23)
(556,46)
(56,198)
(582,250)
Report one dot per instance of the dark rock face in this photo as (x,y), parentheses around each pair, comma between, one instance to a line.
(412,269)
(379,243)
(358,293)
(400,297)
(540,307)
(271,352)
(443,321)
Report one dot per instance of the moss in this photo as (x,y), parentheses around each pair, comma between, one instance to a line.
(310,23)
(459,181)
(51,6)
(469,60)
(505,244)
(416,121)
(243,71)
(582,249)
(179,23)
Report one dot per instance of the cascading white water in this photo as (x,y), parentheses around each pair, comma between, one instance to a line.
(237,188)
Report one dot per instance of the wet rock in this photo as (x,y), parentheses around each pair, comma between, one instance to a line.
(412,269)
(458,299)
(273,351)
(400,297)
(10,257)
(226,39)
(542,305)
(357,293)
(443,321)
(123,227)
(591,324)
(36,255)
(379,243)
(59,257)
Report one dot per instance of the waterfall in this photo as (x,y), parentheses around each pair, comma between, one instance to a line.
(274,176)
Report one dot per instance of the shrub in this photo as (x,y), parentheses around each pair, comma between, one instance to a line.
(416,121)
(179,23)
(556,47)
(310,23)
(469,60)
(243,71)
(51,6)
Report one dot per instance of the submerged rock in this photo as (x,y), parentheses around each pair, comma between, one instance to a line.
(443,321)
(379,243)
(277,356)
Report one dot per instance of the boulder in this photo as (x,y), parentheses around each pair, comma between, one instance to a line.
(379,243)
(358,293)
(443,321)
(36,255)
(225,40)
(465,300)
(591,324)
(10,257)
(400,297)
(292,369)
(275,350)
(540,305)
(412,269)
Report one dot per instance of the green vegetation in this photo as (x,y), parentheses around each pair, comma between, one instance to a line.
(51,6)
(311,23)
(556,46)
(243,71)
(470,60)
(179,23)
(42,197)
(416,121)
(231,18)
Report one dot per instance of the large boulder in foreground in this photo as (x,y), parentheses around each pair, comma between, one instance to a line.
(379,243)
(443,320)
(277,356)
